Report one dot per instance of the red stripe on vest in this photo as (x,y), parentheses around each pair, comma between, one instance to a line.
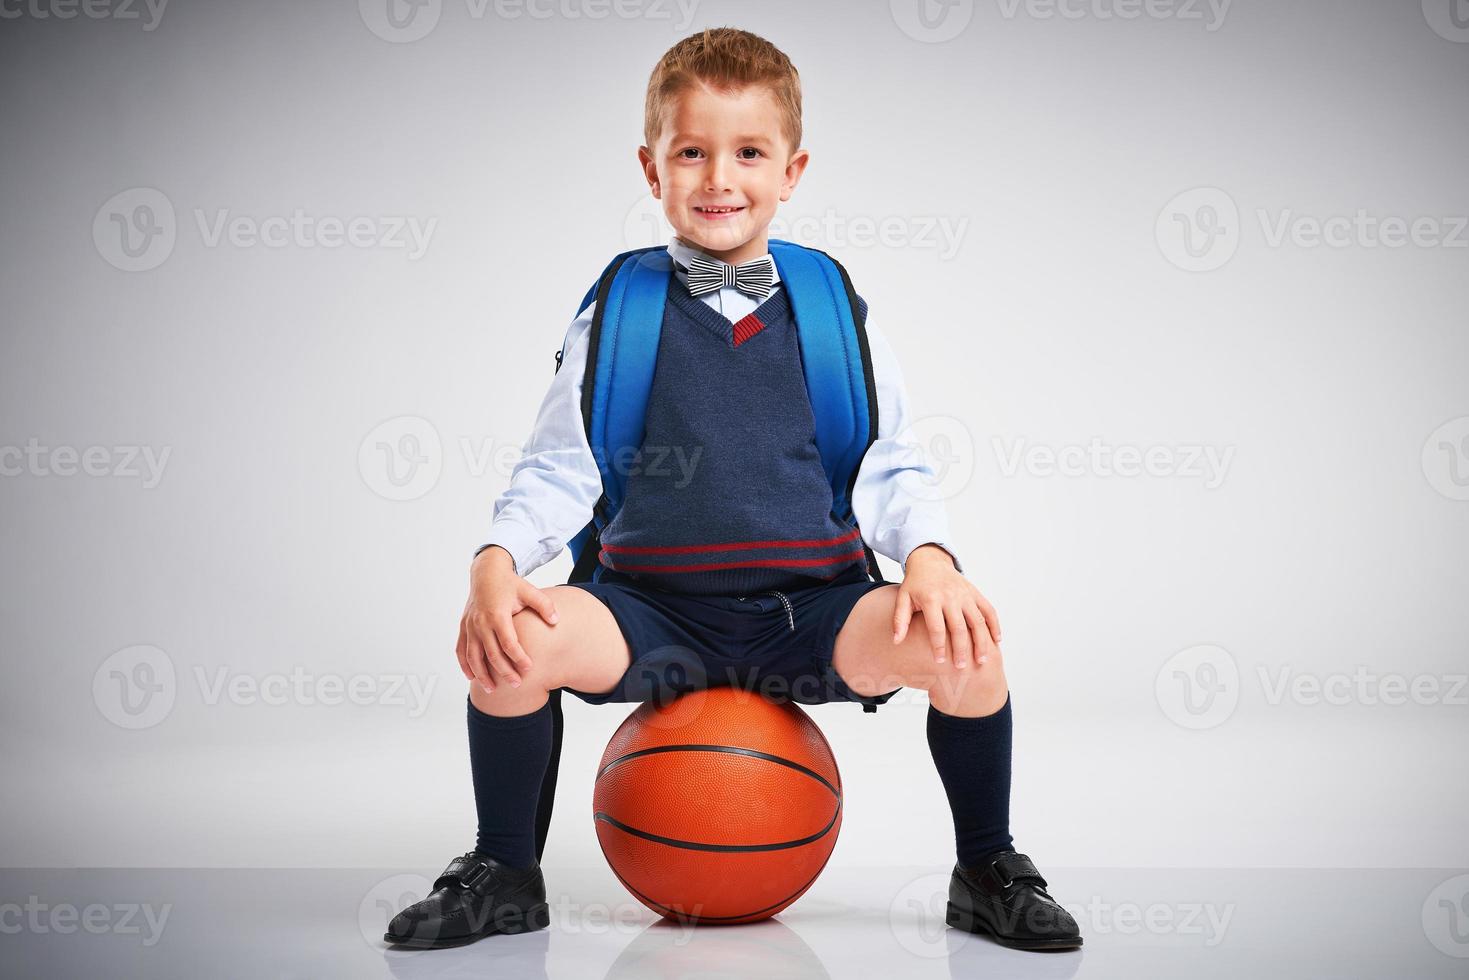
(684,549)
(753,563)
(746,328)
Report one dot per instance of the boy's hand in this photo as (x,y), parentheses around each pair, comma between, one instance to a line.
(951,606)
(488,646)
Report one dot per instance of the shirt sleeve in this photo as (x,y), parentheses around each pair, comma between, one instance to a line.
(556,483)
(895,499)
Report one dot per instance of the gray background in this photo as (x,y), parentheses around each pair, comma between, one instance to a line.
(1139,611)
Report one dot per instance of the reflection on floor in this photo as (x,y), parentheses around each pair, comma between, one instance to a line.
(874,921)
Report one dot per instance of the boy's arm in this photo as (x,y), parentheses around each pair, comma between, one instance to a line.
(895,499)
(556,483)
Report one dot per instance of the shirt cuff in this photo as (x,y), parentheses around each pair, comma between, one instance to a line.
(957,567)
(523,545)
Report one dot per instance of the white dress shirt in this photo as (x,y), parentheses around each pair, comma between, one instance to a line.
(556,484)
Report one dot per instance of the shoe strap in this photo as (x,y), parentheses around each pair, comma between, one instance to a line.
(468,871)
(1007,868)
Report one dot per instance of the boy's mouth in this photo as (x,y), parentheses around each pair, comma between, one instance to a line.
(715,213)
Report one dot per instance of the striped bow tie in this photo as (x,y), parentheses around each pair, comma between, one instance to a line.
(754,278)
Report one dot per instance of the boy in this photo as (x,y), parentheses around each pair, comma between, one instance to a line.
(738,564)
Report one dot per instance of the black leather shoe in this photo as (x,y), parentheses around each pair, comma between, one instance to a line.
(1005,898)
(476,896)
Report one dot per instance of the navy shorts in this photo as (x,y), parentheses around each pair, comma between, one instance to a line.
(681,643)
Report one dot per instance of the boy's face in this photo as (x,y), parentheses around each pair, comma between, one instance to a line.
(723,150)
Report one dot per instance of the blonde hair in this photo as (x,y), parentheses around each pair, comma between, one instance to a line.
(724,58)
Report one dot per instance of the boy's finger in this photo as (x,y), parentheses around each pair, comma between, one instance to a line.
(515,654)
(479,666)
(959,630)
(538,600)
(504,640)
(500,666)
(902,613)
(938,637)
(459,652)
(991,618)
(980,631)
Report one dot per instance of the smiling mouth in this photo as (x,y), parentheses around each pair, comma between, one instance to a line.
(714,212)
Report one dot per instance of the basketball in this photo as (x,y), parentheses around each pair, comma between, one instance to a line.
(721,807)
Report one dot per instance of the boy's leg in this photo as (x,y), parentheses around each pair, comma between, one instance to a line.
(510,729)
(993,890)
(500,888)
(969,722)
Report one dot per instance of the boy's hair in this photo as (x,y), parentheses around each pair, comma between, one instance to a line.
(723,58)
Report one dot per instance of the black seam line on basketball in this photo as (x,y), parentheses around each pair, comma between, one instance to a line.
(732,750)
(669,910)
(689,845)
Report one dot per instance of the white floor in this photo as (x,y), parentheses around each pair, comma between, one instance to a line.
(873,921)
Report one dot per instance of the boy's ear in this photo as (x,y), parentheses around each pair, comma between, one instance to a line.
(650,170)
(794,169)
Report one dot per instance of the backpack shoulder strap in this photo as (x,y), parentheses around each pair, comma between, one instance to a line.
(622,344)
(622,351)
(830,322)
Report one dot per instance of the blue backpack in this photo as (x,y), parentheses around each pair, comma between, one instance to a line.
(623,350)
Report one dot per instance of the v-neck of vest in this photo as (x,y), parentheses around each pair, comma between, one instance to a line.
(736,332)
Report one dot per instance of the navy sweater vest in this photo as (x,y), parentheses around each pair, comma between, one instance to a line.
(727,494)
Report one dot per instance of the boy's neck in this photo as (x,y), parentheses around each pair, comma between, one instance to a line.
(752,249)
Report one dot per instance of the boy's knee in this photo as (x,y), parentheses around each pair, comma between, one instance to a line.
(976,683)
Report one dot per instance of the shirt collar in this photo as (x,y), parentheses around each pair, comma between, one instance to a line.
(681,253)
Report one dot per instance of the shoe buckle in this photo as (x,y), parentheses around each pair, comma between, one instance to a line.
(478,872)
(1010,868)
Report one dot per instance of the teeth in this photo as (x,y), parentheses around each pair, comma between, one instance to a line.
(719,210)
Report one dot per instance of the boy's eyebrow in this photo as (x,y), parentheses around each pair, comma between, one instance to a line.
(752,138)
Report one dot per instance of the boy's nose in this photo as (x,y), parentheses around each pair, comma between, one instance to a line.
(716,179)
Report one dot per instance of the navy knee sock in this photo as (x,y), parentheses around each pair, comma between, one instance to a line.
(508,758)
(973,759)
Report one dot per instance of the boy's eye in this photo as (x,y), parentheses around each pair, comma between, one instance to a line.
(684,153)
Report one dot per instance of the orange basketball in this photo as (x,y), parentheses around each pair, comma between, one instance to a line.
(721,807)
